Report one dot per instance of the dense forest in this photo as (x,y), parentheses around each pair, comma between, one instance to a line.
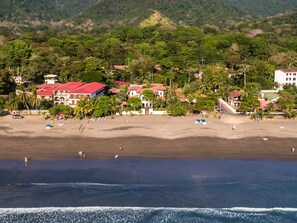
(41,10)
(263,8)
(111,13)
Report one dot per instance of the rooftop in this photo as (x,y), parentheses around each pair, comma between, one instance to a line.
(51,75)
(88,88)
(289,70)
(234,93)
(69,86)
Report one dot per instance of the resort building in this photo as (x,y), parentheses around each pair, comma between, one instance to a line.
(91,90)
(285,76)
(46,91)
(61,92)
(68,93)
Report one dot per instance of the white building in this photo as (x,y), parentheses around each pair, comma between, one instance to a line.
(136,91)
(50,79)
(285,77)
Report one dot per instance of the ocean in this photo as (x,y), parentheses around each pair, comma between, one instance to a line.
(140,190)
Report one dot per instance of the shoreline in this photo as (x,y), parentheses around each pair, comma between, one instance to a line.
(156,137)
(192,148)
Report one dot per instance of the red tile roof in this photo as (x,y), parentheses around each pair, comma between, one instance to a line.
(88,88)
(121,83)
(41,86)
(289,70)
(120,67)
(46,89)
(45,92)
(263,104)
(234,94)
(69,86)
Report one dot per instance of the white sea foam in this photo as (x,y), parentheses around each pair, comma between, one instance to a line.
(107,208)
(251,209)
(90,184)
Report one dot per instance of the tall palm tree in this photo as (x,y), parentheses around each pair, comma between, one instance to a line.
(13,103)
(82,107)
(34,100)
(23,96)
(114,105)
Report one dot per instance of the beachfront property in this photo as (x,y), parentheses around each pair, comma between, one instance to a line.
(61,93)
(68,93)
(136,91)
(46,91)
(91,90)
(234,98)
(285,76)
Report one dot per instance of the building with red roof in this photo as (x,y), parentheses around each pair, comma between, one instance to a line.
(46,91)
(68,93)
(234,98)
(61,92)
(121,83)
(136,91)
(91,90)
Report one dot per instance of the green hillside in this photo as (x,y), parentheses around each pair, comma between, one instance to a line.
(190,12)
(263,8)
(41,10)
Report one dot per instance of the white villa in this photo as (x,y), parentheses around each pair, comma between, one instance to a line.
(136,91)
(285,76)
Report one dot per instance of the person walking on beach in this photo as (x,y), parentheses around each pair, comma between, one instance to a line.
(81,154)
(26,161)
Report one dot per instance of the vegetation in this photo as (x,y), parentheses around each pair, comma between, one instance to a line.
(205,60)
(264,8)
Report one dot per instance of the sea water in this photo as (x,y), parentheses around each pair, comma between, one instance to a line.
(127,190)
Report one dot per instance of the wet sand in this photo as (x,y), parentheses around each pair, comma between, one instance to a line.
(43,148)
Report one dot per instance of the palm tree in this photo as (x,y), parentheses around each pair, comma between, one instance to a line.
(13,103)
(34,100)
(92,105)
(82,107)
(114,105)
(23,96)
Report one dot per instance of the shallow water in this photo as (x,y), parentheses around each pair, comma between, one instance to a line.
(158,191)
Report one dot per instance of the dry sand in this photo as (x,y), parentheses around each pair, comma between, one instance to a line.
(149,137)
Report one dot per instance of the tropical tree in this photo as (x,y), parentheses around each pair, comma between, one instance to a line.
(13,102)
(23,96)
(134,104)
(82,107)
(34,100)
(176,109)
(249,104)
(287,103)
(115,105)
(61,109)
(2,104)
(103,107)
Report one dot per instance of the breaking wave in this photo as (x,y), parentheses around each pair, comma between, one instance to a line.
(140,214)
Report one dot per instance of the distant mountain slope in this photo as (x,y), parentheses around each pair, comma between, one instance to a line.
(42,10)
(263,8)
(132,12)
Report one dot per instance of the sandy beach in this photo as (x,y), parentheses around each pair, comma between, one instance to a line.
(149,137)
